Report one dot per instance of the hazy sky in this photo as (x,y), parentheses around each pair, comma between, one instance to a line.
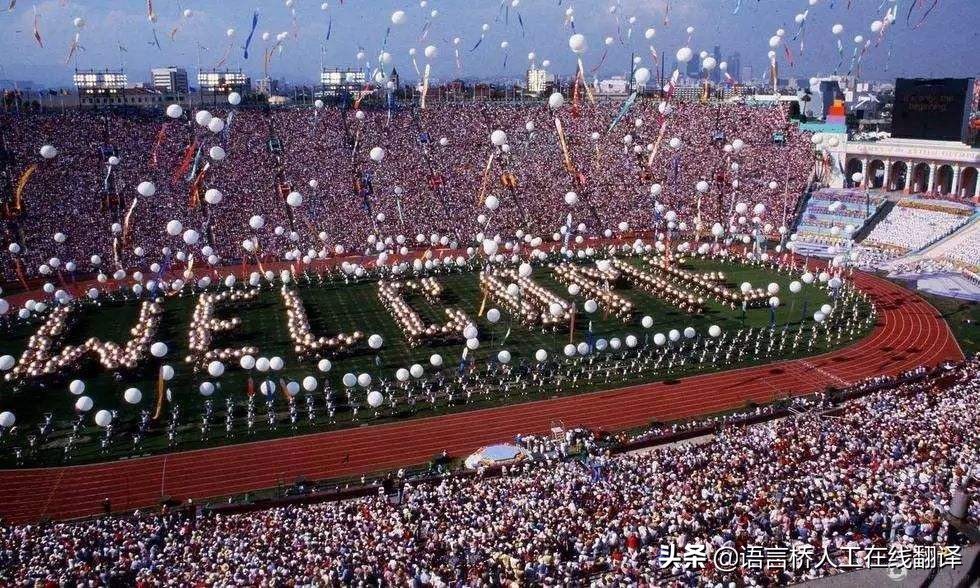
(944,44)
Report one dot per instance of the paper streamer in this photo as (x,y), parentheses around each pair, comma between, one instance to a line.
(126,219)
(37,31)
(156,415)
(72,48)
(425,86)
(248,40)
(21,183)
(486,177)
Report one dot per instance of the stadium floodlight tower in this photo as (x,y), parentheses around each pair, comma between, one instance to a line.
(336,82)
(221,82)
(96,86)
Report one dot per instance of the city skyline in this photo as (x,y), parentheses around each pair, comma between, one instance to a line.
(119,34)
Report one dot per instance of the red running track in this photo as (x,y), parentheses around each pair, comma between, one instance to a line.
(909,333)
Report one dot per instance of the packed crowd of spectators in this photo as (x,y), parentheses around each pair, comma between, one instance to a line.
(437,158)
(879,473)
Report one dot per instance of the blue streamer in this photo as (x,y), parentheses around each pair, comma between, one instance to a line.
(521,21)
(622,111)
(255,23)
(329,27)
(477,45)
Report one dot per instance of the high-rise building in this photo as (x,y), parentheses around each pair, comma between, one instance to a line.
(537,80)
(171,80)
(735,66)
(716,73)
(694,68)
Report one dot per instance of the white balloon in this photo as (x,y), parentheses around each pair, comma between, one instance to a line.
(577,43)
(213,196)
(103,418)
(641,75)
(84,404)
(556,100)
(234,98)
(158,349)
(76,387)
(146,189)
(377,154)
(203,117)
(216,369)
(174,111)
(132,396)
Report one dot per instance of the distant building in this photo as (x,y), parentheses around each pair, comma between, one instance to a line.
(538,80)
(824,92)
(223,81)
(614,86)
(693,68)
(170,80)
(131,97)
(267,86)
(394,78)
(735,66)
(335,81)
(715,75)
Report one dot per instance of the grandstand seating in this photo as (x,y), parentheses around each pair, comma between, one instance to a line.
(829,216)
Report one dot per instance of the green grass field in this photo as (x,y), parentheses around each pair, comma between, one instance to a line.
(334,307)
(962,317)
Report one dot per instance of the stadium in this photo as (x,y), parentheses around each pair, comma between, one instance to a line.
(670,328)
